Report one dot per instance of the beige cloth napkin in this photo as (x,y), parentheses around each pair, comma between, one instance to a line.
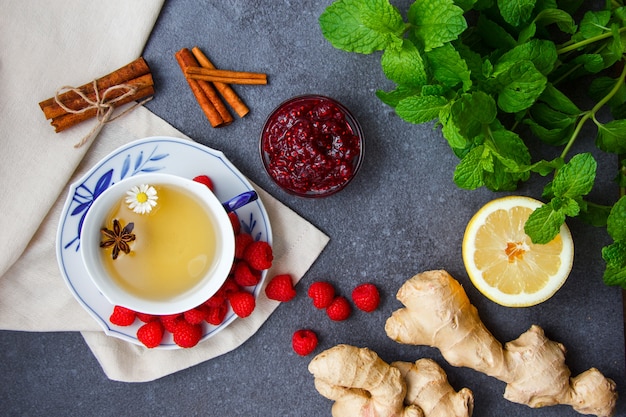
(44,45)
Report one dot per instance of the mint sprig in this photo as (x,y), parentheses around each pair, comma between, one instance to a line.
(486,69)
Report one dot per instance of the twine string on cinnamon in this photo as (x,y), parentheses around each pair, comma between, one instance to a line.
(104,107)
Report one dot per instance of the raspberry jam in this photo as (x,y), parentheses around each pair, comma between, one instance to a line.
(311,146)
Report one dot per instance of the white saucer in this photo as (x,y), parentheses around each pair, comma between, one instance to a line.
(155,154)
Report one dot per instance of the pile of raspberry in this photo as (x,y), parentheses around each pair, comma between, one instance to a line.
(252,257)
(365,297)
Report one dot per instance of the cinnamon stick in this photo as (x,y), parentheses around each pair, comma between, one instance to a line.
(208,99)
(226,76)
(67,120)
(224,89)
(77,103)
(122,75)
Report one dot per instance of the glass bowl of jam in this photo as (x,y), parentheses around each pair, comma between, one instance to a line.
(311,146)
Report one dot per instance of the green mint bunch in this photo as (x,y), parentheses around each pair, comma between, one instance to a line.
(487,71)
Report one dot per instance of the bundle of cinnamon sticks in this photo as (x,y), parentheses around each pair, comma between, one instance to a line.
(207,84)
(129,83)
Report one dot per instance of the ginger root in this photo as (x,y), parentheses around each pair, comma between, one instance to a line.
(438,313)
(363,385)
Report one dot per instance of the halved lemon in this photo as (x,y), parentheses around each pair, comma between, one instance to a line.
(502,261)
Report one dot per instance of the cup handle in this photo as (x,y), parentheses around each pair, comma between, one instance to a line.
(240,201)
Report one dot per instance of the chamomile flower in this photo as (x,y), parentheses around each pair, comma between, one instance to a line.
(141,198)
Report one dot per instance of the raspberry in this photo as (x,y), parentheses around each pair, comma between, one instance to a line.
(216,300)
(244,276)
(151,334)
(187,335)
(122,316)
(243,303)
(280,288)
(339,309)
(242,240)
(259,255)
(215,315)
(322,293)
(234,219)
(230,286)
(195,315)
(145,317)
(366,297)
(170,321)
(304,342)
(203,179)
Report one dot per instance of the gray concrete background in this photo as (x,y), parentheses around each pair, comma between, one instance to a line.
(400,216)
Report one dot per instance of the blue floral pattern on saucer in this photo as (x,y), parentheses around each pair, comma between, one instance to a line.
(84,196)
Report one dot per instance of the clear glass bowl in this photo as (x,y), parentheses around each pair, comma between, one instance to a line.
(311,146)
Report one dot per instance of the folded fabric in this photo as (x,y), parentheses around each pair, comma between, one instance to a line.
(43,47)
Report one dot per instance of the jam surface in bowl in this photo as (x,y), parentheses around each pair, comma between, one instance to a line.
(311,146)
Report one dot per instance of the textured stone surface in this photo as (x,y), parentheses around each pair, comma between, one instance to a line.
(401,215)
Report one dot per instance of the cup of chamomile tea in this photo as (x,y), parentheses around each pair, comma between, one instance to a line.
(157,243)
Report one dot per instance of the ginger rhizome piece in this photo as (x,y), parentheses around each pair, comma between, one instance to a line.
(438,313)
(363,385)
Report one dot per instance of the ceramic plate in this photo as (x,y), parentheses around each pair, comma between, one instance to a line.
(155,154)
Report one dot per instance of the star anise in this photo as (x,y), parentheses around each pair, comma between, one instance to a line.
(118,238)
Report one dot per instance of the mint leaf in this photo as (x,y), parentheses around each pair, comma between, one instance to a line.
(543,167)
(575,178)
(544,224)
(593,63)
(448,67)
(471,112)
(616,223)
(436,22)
(612,136)
(510,149)
(490,164)
(420,109)
(392,98)
(519,87)
(516,12)
(556,136)
(615,48)
(541,53)
(561,18)
(404,65)
(468,174)
(550,118)
(615,276)
(595,215)
(615,258)
(548,14)
(615,254)
(493,34)
(601,86)
(594,23)
(510,158)
(554,98)
(567,206)
(502,179)
(362,26)
(451,131)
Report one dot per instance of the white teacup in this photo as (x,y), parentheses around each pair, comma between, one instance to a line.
(203,273)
